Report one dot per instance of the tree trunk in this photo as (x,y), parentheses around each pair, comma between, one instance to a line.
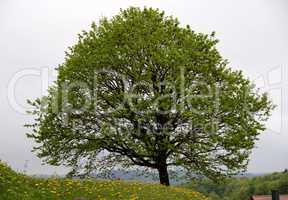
(163,175)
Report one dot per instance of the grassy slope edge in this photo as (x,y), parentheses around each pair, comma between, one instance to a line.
(15,186)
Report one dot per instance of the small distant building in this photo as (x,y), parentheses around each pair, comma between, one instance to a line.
(268,197)
(274,196)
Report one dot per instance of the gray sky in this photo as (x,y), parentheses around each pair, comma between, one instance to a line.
(35,34)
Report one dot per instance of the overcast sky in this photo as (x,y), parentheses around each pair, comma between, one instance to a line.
(34,35)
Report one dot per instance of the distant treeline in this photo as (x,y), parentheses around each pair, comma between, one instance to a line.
(242,188)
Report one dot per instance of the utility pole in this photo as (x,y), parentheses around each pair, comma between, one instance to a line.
(25,166)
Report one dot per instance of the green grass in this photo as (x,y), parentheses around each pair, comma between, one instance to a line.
(15,186)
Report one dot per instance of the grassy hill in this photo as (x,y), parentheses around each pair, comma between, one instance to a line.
(15,186)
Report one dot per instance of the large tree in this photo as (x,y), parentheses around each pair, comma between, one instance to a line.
(141,90)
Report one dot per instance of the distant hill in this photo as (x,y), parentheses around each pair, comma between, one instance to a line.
(175,178)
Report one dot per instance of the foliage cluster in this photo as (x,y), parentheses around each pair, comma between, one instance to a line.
(242,187)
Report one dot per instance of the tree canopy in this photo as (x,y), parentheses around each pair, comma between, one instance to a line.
(141,90)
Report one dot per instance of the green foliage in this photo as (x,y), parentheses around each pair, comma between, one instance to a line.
(14,186)
(242,188)
(140,90)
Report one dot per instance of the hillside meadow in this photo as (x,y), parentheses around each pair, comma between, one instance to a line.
(15,186)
